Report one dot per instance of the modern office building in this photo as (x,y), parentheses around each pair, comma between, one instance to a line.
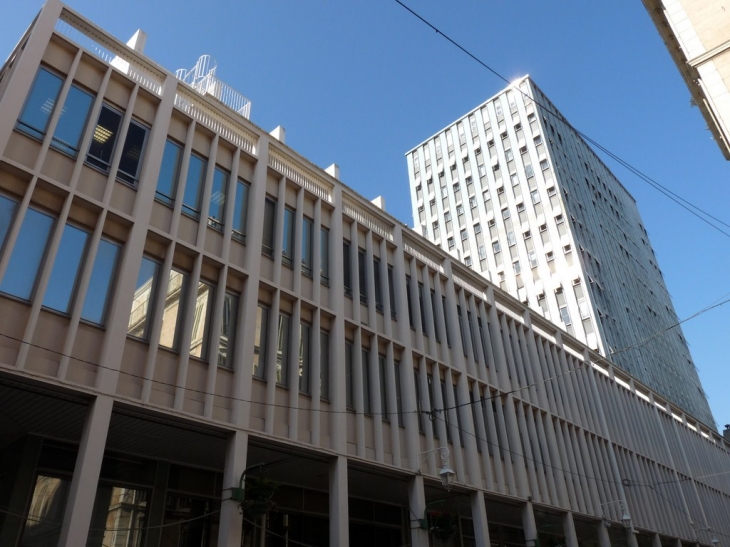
(697,35)
(512,191)
(194,319)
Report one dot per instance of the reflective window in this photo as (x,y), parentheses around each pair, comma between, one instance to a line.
(282,350)
(346,268)
(97,295)
(47,507)
(363,275)
(267,243)
(378,288)
(260,337)
(39,105)
(287,243)
(143,298)
(365,354)
(66,269)
(227,340)
(131,161)
(305,357)
(172,313)
(240,210)
(105,136)
(193,186)
(118,517)
(324,255)
(28,252)
(324,365)
(7,213)
(307,227)
(169,172)
(349,388)
(217,209)
(71,124)
(201,321)
(382,369)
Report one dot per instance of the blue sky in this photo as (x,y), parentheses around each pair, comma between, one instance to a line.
(360,82)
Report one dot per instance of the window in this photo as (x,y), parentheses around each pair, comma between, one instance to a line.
(419,405)
(467,260)
(378,288)
(70,127)
(346,267)
(366,406)
(496,247)
(505,213)
(408,297)
(102,276)
(240,210)
(7,212)
(307,227)
(169,172)
(382,369)
(194,185)
(473,202)
(324,365)
(217,207)
(172,313)
(267,242)
(200,338)
(143,298)
(305,357)
(451,242)
(131,161)
(535,196)
(517,268)
(447,216)
(349,387)
(282,350)
(532,257)
(324,255)
(227,340)
(477,228)
(464,235)
(30,248)
(567,249)
(460,209)
(398,397)
(363,275)
(287,242)
(482,251)
(39,104)
(260,337)
(529,171)
(391,291)
(66,269)
(422,309)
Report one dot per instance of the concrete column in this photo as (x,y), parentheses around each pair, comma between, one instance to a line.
(603,538)
(338,500)
(571,539)
(479,517)
(231,522)
(529,526)
(656,541)
(417,506)
(82,492)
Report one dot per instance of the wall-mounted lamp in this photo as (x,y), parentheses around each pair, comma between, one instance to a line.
(446,474)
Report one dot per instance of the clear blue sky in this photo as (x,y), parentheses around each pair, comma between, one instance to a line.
(360,82)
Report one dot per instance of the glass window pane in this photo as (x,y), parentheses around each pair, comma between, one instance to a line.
(324,365)
(132,152)
(305,362)
(307,246)
(218,198)
(143,295)
(267,245)
(324,254)
(193,185)
(47,508)
(201,321)
(118,517)
(7,212)
(260,337)
(172,314)
(366,381)
(240,209)
(349,388)
(40,103)
(282,352)
(227,340)
(287,244)
(66,269)
(169,171)
(28,252)
(100,283)
(72,122)
(105,136)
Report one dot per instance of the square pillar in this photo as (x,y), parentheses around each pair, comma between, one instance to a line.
(231,523)
(417,509)
(338,500)
(571,539)
(479,517)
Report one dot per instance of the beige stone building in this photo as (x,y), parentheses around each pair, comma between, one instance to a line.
(192,314)
(697,35)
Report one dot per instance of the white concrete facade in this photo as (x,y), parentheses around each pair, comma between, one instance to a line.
(512,191)
(197,343)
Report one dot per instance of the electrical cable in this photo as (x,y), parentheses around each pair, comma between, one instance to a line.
(685,204)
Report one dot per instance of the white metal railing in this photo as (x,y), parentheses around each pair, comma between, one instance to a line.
(202,79)
(110,51)
(352,209)
(306,180)
(202,113)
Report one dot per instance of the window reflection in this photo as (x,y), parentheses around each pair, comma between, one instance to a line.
(260,337)
(45,516)
(97,295)
(201,321)
(118,517)
(138,318)
(169,171)
(74,115)
(66,268)
(172,313)
(40,103)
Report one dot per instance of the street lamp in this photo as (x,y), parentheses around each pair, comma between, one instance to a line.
(446,474)
(625,517)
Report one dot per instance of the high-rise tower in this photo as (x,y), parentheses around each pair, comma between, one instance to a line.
(514,192)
